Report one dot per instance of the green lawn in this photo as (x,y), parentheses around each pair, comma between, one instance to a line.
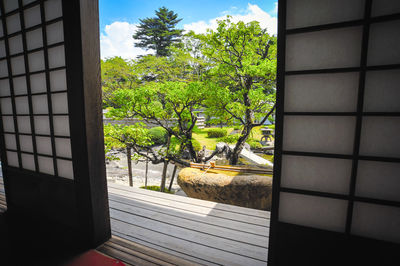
(211,142)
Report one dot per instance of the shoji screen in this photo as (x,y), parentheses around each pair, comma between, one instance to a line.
(49,124)
(337,178)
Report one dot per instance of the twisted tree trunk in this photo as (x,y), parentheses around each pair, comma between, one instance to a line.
(129,159)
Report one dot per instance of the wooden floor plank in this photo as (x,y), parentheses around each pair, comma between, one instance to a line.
(191,216)
(124,257)
(174,260)
(192,201)
(162,248)
(261,241)
(172,231)
(3,197)
(137,254)
(194,208)
(193,250)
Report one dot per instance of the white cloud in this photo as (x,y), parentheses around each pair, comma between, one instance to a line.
(117,41)
(252,13)
(117,37)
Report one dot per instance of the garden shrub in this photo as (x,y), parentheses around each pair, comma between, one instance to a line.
(254,144)
(157,188)
(196,145)
(216,132)
(229,138)
(158,135)
(237,127)
(196,130)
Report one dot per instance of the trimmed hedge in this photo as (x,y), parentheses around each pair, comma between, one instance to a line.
(157,188)
(158,135)
(216,132)
(229,139)
(196,145)
(254,144)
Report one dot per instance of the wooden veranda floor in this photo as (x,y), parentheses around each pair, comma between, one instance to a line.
(147,223)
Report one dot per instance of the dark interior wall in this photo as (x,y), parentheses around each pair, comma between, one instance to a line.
(50,105)
(336,173)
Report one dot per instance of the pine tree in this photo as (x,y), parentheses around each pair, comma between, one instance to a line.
(158,33)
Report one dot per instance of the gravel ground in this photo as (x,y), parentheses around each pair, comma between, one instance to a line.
(117,172)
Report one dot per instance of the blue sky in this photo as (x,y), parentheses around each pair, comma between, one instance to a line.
(118,18)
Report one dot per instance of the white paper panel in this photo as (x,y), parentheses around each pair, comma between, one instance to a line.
(55,33)
(28,162)
(53,9)
(20,85)
(380,136)
(326,134)
(12,159)
(25,143)
(317,212)
(18,65)
(25,2)
(38,83)
(46,165)
(1,28)
(39,104)
(24,124)
(324,49)
(316,12)
(32,16)
(56,57)
(385,7)
(316,174)
(42,125)
(8,124)
(22,106)
(10,5)
(13,23)
(15,44)
(376,221)
(34,39)
(63,147)
(65,169)
(11,142)
(6,106)
(4,87)
(3,69)
(61,125)
(43,145)
(384,39)
(321,93)
(36,61)
(60,103)
(2,49)
(382,91)
(379,180)
(58,80)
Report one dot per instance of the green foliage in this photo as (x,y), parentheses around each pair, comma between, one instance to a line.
(158,135)
(196,130)
(254,144)
(196,145)
(158,33)
(216,132)
(229,138)
(122,136)
(271,126)
(116,73)
(157,188)
(237,127)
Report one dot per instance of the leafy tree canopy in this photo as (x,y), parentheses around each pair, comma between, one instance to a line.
(158,33)
(243,72)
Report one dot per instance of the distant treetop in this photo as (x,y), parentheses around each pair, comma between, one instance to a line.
(159,32)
